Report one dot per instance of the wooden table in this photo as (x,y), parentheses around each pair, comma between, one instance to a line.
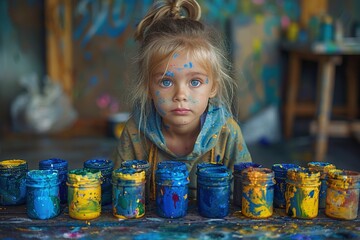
(15,224)
(328,56)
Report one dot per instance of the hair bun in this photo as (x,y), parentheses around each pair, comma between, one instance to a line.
(165,9)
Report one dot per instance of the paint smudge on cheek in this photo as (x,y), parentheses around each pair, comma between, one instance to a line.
(207,81)
(193,100)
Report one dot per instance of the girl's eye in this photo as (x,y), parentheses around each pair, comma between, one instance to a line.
(166,83)
(195,83)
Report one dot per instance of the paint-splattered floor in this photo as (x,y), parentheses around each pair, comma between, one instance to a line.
(14,224)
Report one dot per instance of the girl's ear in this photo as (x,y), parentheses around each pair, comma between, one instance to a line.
(214,91)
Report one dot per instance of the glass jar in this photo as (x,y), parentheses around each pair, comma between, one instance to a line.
(128,193)
(84,193)
(42,198)
(280,171)
(302,193)
(106,167)
(237,197)
(13,182)
(257,192)
(213,186)
(141,165)
(62,166)
(323,168)
(342,198)
(172,180)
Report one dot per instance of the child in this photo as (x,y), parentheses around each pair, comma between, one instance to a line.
(182,101)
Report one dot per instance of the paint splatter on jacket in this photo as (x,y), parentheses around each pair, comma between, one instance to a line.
(220,141)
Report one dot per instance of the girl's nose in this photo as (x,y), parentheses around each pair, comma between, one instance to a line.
(180,94)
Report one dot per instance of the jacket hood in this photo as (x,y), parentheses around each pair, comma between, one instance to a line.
(212,121)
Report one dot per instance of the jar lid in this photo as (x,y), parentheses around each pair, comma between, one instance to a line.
(84,176)
(321,166)
(53,163)
(242,165)
(303,174)
(214,172)
(13,163)
(207,165)
(100,164)
(42,178)
(130,174)
(137,164)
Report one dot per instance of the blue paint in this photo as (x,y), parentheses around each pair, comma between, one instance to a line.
(129,193)
(106,167)
(62,166)
(141,165)
(237,196)
(13,182)
(169,74)
(172,180)
(213,184)
(280,170)
(323,168)
(43,201)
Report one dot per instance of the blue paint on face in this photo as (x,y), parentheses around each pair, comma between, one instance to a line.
(207,81)
(175,55)
(169,74)
(188,65)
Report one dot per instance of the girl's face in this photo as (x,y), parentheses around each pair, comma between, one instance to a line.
(180,90)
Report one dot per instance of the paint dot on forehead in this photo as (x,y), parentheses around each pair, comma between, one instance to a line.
(169,74)
(188,65)
(175,55)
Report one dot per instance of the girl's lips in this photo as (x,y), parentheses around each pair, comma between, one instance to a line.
(181,111)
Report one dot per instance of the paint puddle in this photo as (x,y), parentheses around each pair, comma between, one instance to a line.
(75,233)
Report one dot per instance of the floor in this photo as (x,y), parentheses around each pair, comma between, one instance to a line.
(343,152)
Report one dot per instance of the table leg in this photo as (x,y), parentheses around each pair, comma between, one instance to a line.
(324,109)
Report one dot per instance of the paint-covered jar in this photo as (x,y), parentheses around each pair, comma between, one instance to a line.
(213,187)
(302,193)
(106,167)
(84,193)
(13,182)
(172,180)
(128,193)
(42,197)
(280,171)
(257,192)
(141,165)
(323,168)
(342,197)
(237,195)
(62,166)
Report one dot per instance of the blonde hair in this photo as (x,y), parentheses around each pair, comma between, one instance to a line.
(170,26)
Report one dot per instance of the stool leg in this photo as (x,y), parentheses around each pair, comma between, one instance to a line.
(293,86)
(324,114)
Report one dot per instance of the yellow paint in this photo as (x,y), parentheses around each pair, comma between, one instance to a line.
(84,195)
(137,177)
(302,193)
(11,163)
(342,196)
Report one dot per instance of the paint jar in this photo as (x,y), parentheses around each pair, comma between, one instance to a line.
(128,193)
(258,192)
(84,193)
(280,171)
(327,29)
(302,193)
(213,186)
(237,197)
(106,167)
(13,182)
(62,166)
(172,180)
(342,197)
(42,194)
(323,168)
(141,165)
